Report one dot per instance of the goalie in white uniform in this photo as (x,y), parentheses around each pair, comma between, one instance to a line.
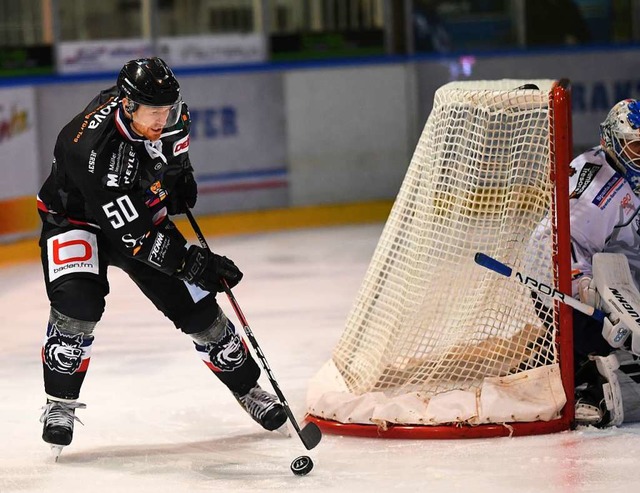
(605,250)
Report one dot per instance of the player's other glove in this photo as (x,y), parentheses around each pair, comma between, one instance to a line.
(184,194)
(206,269)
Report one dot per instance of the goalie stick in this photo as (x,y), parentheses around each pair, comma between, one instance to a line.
(310,435)
(536,286)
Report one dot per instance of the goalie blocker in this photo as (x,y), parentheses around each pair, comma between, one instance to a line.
(619,298)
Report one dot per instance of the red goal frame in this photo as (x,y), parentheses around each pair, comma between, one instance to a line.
(561,149)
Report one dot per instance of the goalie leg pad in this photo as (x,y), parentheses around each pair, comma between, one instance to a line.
(607,367)
(629,381)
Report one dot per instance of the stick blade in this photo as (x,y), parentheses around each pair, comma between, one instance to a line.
(310,435)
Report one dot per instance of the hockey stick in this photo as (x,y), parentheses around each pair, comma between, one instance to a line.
(310,435)
(537,286)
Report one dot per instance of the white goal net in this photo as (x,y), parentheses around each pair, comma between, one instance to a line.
(433,338)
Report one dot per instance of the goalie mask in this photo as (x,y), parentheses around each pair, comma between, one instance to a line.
(150,82)
(620,138)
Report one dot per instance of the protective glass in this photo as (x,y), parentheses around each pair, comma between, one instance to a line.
(154,116)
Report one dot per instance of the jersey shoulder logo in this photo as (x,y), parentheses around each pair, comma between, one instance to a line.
(181,146)
(94,118)
(586,176)
(608,191)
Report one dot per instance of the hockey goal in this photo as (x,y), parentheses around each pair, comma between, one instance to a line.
(436,346)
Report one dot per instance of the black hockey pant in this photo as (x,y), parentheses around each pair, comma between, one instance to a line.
(75,262)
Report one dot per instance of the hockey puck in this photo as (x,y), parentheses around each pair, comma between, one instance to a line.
(301,466)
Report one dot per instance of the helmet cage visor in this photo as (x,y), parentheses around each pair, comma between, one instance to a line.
(620,135)
(627,150)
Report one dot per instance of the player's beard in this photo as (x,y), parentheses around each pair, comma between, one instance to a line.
(146,131)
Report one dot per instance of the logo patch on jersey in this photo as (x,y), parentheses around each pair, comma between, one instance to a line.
(610,189)
(627,205)
(181,146)
(134,243)
(156,189)
(101,113)
(97,116)
(159,249)
(123,168)
(62,352)
(155,194)
(71,252)
(588,172)
(92,161)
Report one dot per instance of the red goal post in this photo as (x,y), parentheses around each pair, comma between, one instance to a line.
(436,346)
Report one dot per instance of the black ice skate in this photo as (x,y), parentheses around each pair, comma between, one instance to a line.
(591,408)
(58,418)
(263,408)
(598,399)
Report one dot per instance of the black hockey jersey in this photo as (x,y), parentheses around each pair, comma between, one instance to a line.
(104,176)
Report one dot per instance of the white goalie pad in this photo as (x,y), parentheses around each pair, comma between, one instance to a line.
(607,367)
(620,299)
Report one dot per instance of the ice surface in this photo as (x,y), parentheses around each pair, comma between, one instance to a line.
(158,421)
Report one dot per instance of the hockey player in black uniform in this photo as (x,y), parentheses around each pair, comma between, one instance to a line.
(121,168)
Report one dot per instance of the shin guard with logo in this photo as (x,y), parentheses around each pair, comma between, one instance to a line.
(66,353)
(225,352)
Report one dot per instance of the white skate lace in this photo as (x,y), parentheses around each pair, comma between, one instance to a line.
(257,402)
(61,413)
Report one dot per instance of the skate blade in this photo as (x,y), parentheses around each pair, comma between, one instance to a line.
(56,450)
(284,431)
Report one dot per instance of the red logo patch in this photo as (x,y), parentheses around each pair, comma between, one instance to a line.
(181,146)
(58,254)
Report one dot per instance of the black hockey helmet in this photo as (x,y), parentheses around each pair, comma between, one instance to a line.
(150,81)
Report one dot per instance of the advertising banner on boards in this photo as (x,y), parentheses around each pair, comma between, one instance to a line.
(19,162)
(238,140)
(187,51)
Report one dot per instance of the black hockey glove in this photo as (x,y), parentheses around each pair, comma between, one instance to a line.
(184,194)
(206,269)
